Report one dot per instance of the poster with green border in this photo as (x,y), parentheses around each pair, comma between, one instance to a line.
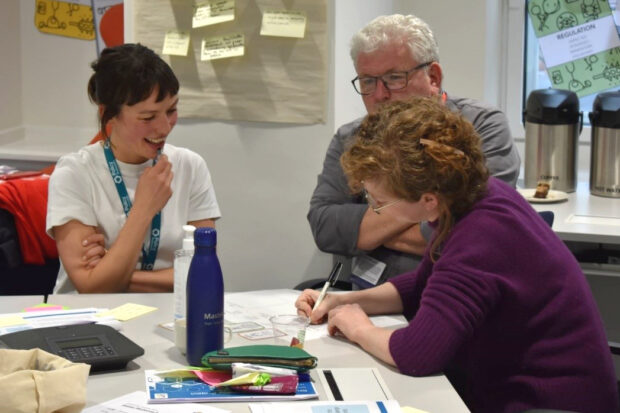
(579,42)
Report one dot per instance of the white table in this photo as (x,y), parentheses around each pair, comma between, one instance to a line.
(432,394)
(586,218)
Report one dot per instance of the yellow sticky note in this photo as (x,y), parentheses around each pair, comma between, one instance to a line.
(176,43)
(9,321)
(65,19)
(213,12)
(221,47)
(283,23)
(407,409)
(127,311)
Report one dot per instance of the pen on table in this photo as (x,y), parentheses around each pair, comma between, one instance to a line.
(331,280)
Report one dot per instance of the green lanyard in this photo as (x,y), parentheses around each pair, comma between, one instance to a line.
(148,255)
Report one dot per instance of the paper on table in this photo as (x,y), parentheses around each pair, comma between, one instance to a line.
(11,320)
(136,403)
(51,318)
(258,306)
(128,311)
(354,383)
(365,406)
(593,220)
(174,389)
(283,23)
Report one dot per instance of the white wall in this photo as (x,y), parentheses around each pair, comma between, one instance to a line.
(264,173)
(10,68)
(461,32)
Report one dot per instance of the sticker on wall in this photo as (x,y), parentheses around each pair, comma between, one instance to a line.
(64,18)
(108,23)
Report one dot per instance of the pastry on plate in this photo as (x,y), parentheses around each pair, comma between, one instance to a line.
(542,190)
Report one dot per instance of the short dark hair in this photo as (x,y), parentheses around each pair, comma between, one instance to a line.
(128,74)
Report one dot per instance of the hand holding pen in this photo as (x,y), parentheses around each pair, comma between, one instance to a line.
(304,300)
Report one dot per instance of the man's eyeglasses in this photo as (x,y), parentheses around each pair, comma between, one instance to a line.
(373,204)
(366,85)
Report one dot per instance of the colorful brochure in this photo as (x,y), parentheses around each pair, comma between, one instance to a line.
(167,388)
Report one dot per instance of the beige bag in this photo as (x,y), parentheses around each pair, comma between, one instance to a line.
(37,381)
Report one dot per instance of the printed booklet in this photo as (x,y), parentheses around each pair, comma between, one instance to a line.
(164,388)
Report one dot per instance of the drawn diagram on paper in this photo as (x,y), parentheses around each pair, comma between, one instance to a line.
(64,18)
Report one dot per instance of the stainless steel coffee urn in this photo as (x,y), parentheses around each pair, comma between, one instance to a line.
(605,145)
(552,126)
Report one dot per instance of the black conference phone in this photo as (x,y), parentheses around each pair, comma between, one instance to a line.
(99,345)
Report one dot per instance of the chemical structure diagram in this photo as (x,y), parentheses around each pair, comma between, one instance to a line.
(84,25)
(611,72)
(52,21)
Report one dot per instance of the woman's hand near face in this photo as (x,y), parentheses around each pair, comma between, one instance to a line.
(154,189)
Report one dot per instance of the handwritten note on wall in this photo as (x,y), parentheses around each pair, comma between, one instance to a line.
(283,23)
(176,43)
(233,72)
(221,47)
(213,12)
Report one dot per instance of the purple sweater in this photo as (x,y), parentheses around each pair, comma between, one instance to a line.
(507,314)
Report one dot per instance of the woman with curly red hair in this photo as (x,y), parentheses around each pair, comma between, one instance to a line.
(499,304)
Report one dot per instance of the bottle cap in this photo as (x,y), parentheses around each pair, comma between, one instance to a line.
(205,237)
(188,237)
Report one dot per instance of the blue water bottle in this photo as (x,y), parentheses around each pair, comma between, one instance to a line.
(205,298)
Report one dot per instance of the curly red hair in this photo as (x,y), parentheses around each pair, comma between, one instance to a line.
(447,162)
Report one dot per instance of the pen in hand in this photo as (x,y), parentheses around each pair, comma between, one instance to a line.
(331,280)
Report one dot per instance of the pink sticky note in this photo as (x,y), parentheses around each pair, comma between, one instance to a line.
(44,307)
(213,377)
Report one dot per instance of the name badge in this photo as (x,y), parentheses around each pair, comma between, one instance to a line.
(368,268)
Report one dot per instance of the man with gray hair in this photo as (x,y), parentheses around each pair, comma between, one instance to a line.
(395,57)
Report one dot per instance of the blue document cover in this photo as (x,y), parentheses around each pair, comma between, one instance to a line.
(183,389)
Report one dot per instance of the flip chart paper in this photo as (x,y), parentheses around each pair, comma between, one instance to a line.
(222,47)
(176,43)
(212,12)
(283,23)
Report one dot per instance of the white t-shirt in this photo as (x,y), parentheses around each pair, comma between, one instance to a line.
(81,188)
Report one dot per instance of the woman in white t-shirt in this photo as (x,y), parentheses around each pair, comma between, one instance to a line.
(116,207)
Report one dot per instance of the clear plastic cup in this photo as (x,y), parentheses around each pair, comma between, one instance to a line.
(289,329)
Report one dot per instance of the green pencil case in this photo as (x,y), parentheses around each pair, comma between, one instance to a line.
(266,355)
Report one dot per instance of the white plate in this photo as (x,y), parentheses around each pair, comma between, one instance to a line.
(552,196)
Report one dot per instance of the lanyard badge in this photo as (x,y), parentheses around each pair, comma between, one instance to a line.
(148,254)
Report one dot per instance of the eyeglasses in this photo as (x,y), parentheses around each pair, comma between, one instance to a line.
(373,204)
(366,85)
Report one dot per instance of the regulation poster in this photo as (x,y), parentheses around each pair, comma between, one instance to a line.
(579,42)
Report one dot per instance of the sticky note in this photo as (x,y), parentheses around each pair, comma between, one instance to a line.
(213,12)
(9,321)
(127,311)
(176,43)
(45,307)
(221,47)
(283,23)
